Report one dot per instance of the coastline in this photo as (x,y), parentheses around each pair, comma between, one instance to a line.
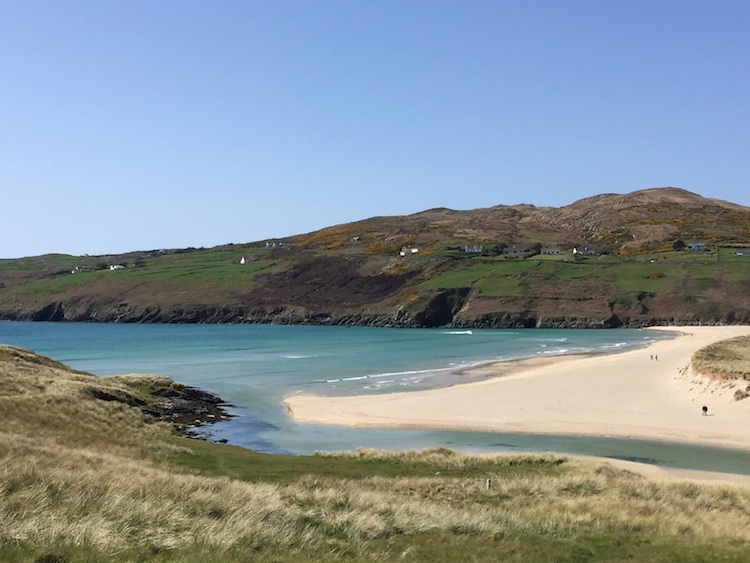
(622,395)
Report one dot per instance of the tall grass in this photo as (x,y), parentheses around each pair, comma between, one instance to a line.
(727,359)
(84,479)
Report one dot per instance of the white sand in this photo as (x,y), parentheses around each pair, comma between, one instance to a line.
(619,395)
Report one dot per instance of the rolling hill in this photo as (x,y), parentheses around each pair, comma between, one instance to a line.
(650,257)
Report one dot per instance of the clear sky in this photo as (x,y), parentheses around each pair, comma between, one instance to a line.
(171,123)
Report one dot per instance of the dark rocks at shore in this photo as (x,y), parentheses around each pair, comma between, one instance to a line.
(441,312)
(187,408)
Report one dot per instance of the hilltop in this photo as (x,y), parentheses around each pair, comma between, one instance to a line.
(650,257)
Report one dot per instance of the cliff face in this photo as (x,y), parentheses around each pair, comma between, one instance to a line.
(436,268)
(444,310)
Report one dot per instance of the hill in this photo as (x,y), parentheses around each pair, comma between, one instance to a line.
(650,257)
(85,477)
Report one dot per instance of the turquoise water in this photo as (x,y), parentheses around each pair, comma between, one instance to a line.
(256,366)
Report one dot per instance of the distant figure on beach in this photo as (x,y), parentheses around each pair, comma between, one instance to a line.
(705,410)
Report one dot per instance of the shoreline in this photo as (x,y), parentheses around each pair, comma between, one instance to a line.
(622,395)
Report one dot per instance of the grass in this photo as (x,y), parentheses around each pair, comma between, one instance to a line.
(205,459)
(728,359)
(689,274)
(83,479)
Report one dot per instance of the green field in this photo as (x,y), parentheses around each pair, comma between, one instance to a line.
(648,273)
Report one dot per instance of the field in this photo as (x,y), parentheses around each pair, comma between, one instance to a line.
(645,273)
(87,479)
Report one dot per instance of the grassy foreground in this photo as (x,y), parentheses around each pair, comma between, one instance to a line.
(86,479)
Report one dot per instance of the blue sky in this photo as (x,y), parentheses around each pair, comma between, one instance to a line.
(162,124)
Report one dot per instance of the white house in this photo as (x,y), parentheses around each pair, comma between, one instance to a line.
(407,250)
(116,267)
(585,251)
(245,260)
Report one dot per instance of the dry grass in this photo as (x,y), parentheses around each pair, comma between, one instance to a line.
(728,360)
(111,504)
(76,472)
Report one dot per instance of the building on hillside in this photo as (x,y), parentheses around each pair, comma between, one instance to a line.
(80,270)
(696,246)
(513,250)
(245,260)
(585,251)
(473,248)
(742,252)
(549,251)
(116,267)
(408,250)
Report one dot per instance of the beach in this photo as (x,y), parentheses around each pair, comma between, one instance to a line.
(650,393)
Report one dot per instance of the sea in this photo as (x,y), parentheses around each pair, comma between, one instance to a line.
(255,367)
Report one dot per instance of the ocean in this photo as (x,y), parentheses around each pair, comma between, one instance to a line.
(254,367)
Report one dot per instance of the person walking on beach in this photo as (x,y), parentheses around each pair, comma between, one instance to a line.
(705,410)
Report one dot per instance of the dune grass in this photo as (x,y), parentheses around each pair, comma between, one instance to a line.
(728,359)
(84,479)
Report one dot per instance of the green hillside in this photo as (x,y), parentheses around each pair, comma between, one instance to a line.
(610,260)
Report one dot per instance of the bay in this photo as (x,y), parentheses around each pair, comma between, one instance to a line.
(255,367)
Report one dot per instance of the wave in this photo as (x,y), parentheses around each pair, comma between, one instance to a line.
(459,332)
(615,345)
(406,373)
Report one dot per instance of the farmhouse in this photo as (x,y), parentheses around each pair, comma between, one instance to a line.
(116,267)
(473,248)
(549,251)
(513,250)
(696,246)
(742,252)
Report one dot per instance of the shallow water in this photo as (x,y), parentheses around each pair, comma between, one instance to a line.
(255,366)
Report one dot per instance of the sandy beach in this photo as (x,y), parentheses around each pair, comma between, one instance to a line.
(649,393)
